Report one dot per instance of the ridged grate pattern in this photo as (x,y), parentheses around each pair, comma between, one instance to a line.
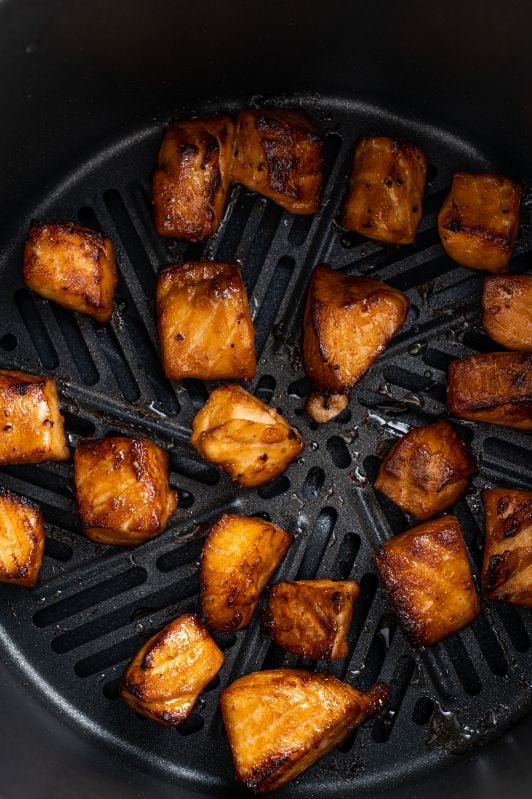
(95,605)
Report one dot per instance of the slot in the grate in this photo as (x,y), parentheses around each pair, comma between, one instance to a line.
(193,724)
(279,486)
(422,274)
(76,344)
(188,552)
(146,353)
(194,470)
(274,296)
(368,588)
(131,241)
(110,689)
(197,392)
(300,389)
(490,647)
(463,665)
(514,627)
(378,649)
(313,484)
(57,550)
(89,597)
(423,710)
(88,218)
(317,543)
(437,359)
(265,388)
(78,425)
(346,556)
(39,475)
(384,724)
(118,363)
(58,517)
(36,329)
(337,449)
(235,225)
(262,239)
(96,628)
(516,457)
(122,651)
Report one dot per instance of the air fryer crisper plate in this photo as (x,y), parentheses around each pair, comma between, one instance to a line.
(94,606)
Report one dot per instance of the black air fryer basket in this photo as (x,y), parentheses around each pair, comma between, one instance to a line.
(86,92)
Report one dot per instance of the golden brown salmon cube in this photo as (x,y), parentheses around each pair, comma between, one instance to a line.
(495,387)
(311,618)
(348,323)
(21,539)
(385,197)
(73,266)
(427,470)
(122,489)
(239,556)
(427,577)
(507,566)
(279,154)
(193,177)
(249,440)
(279,722)
(507,303)
(166,676)
(204,322)
(31,425)
(479,220)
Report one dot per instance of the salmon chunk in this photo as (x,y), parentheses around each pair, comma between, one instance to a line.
(204,322)
(385,197)
(193,176)
(166,676)
(32,426)
(279,154)
(249,440)
(122,489)
(507,566)
(479,220)
(239,556)
(21,539)
(427,577)
(279,722)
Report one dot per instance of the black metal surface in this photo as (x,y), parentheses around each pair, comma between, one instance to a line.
(72,635)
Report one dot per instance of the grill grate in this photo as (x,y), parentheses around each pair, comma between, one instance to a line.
(94,606)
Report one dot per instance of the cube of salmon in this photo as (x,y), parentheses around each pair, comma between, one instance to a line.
(31,428)
(427,470)
(425,572)
(279,722)
(239,556)
(386,187)
(507,304)
(122,489)
(204,322)
(348,323)
(21,539)
(193,176)
(279,154)
(249,440)
(507,565)
(494,387)
(73,266)
(166,676)
(311,618)
(479,220)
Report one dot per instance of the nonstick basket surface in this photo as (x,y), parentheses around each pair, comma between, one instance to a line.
(94,605)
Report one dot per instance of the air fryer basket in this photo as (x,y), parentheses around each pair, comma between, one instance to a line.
(68,640)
